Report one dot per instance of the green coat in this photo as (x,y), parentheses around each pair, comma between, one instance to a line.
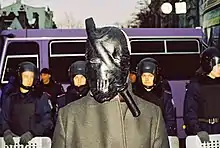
(88,124)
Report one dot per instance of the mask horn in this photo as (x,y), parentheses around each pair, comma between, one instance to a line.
(90,28)
(130,103)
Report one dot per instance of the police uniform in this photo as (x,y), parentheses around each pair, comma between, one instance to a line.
(55,91)
(201,105)
(160,94)
(26,114)
(74,92)
(53,88)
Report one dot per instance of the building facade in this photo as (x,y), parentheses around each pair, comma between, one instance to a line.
(21,16)
(210,18)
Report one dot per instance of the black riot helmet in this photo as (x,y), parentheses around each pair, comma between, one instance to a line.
(27,66)
(209,58)
(77,68)
(149,65)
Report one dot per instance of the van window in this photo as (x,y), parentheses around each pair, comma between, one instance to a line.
(16,53)
(67,48)
(62,54)
(145,46)
(22,48)
(182,46)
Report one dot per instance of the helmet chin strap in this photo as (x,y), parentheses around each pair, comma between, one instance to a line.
(26,87)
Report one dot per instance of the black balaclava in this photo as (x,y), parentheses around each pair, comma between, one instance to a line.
(108,62)
(27,66)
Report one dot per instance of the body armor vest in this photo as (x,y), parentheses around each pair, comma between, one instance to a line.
(209,101)
(22,115)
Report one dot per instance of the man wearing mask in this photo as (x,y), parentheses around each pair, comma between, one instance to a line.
(25,113)
(151,87)
(79,86)
(201,106)
(110,115)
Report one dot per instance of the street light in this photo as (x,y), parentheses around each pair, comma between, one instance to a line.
(166,8)
(180,7)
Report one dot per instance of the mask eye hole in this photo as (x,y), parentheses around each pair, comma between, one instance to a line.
(95,61)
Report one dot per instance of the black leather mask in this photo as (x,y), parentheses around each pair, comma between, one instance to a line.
(108,61)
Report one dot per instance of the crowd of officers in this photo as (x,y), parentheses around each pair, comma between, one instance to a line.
(29,107)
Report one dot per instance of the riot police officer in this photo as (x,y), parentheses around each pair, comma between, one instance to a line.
(79,86)
(201,106)
(26,113)
(52,88)
(151,87)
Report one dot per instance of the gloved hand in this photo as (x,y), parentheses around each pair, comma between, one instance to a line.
(25,138)
(8,137)
(203,136)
